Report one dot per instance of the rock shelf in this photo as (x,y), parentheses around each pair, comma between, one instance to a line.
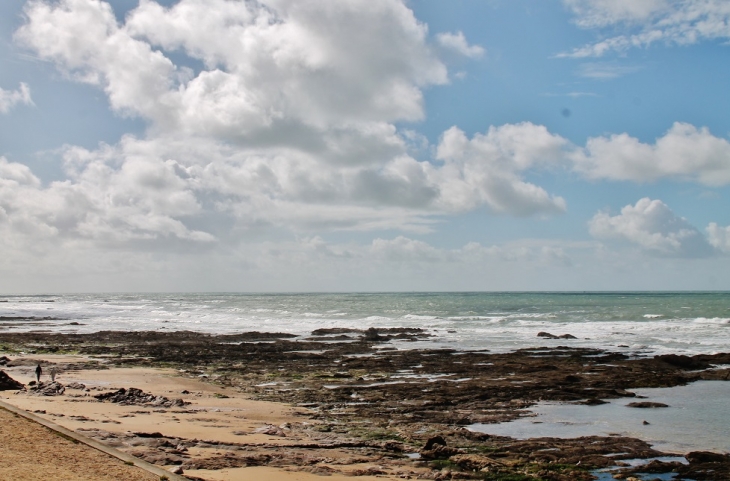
(377,403)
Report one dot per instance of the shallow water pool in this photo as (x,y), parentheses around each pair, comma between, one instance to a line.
(698,418)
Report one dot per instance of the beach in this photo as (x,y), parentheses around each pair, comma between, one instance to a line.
(30,451)
(215,416)
(341,404)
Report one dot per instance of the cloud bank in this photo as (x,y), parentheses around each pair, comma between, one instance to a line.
(277,113)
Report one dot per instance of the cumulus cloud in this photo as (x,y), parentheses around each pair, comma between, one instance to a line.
(143,201)
(685,152)
(653,226)
(681,22)
(719,237)
(486,169)
(283,115)
(11,98)
(457,43)
(275,65)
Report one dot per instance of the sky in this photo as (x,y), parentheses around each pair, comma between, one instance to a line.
(364,145)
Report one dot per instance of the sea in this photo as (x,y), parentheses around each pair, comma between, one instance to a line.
(638,323)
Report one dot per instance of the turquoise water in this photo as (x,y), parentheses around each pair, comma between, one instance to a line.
(641,323)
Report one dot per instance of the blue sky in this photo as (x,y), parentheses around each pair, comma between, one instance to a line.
(369,145)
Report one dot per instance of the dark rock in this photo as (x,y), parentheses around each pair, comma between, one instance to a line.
(683,362)
(335,330)
(134,396)
(440,452)
(647,404)
(4,360)
(706,457)
(624,393)
(394,447)
(436,440)
(157,457)
(547,335)
(371,334)
(75,385)
(473,462)
(594,402)
(7,383)
(47,389)
(228,461)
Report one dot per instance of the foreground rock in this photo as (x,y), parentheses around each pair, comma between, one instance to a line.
(134,396)
(47,389)
(7,383)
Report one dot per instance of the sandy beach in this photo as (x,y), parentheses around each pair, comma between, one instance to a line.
(341,404)
(30,451)
(214,414)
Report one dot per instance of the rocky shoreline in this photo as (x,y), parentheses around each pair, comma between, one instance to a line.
(406,409)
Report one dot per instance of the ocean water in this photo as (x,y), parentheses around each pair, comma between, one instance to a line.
(639,323)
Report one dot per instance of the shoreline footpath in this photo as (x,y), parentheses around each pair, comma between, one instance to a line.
(343,403)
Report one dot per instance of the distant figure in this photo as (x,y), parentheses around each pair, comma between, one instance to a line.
(53,374)
(38,372)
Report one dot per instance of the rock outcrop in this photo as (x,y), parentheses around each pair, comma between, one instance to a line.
(134,396)
(7,383)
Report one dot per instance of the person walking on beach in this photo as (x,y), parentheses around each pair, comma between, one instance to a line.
(53,374)
(38,372)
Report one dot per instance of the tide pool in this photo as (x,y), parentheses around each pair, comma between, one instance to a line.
(697,419)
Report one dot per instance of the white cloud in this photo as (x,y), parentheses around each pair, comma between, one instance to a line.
(142,201)
(679,22)
(599,13)
(653,226)
(11,98)
(269,66)
(289,122)
(684,152)
(457,43)
(487,168)
(719,237)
